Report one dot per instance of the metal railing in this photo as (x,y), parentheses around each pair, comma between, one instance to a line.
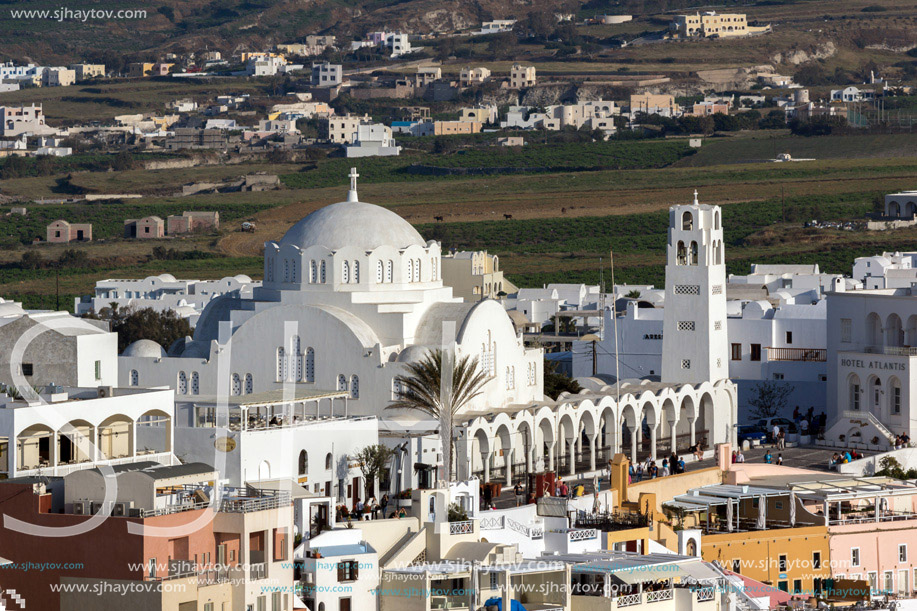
(815,355)
(268,499)
(659,595)
(892,350)
(465,527)
(586,534)
(532,532)
(257,571)
(492,523)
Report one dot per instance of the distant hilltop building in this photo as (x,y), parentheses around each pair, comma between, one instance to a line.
(713,25)
(61,232)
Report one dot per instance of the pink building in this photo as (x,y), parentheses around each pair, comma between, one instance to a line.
(145,228)
(706,109)
(189,222)
(61,232)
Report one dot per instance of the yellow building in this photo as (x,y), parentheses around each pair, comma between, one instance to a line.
(521,76)
(710,24)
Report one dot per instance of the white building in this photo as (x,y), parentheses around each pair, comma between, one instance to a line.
(886,271)
(54,348)
(351,293)
(852,94)
(398,44)
(326,74)
(28,120)
(592,114)
(872,366)
(373,140)
(187,298)
(497,26)
(72,429)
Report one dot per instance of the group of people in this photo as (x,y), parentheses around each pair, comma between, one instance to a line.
(673,465)
(902,441)
(809,422)
(737,456)
(769,458)
(371,509)
(842,458)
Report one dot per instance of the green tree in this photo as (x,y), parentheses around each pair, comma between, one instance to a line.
(423,391)
(372,461)
(130,325)
(556,382)
(769,398)
(122,161)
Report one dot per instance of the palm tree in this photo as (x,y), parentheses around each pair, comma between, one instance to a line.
(423,390)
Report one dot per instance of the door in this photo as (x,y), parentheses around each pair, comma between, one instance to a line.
(344,605)
(355,489)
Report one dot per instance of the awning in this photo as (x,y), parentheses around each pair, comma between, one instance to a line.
(700,571)
(298,603)
(419,466)
(646,573)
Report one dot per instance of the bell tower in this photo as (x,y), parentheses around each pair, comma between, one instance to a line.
(694,341)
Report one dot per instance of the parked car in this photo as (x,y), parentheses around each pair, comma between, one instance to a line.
(751,433)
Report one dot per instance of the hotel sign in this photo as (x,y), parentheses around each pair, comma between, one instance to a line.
(873,364)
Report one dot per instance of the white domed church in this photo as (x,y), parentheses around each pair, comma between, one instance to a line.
(350,294)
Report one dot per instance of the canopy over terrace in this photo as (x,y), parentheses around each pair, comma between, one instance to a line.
(859,499)
(729,507)
(272,408)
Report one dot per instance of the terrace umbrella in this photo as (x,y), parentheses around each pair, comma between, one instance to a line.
(729,515)
(762,512)
(792,508)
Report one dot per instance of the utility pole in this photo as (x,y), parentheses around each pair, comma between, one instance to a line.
(57,287)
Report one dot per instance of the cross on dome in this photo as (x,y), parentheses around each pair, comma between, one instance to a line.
(352,194)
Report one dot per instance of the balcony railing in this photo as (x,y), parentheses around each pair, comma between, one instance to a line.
(461,528)
(629,600)
(812,355)
(586,534)
(532,532)
(659,595)
(492,523)
(258,571)
(892,350)
(704,594)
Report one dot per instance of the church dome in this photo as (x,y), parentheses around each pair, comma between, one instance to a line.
(145,348)
(351,223)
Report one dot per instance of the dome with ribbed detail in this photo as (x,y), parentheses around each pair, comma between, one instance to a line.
(352,223)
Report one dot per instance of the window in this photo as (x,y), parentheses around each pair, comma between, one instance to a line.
(281,365)
(195,383)
(736,352)
(686,363)
(902,552)
(778,376)
(249,384)
(816,560)
(354,387)
(208,606)
(494,581)
(348,570)
(312,272)
(685,325)
(342,382)
(789,337)
(275,602)
(303,462)
(135,378)
(410,270)
(854,556)
(310,365)
(152,568)
(27,369)
(781,563)
(782,586)
(236,384)
(296,352)
(98,370)
(389,271)
(755,352)
(182,383)
(397,389)
(846,330)
(379,272)
(328,461)
(797,586)
(356,271)
(889,585)
(321,273)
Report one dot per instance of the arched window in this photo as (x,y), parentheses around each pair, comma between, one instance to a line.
(135,378)
(380,271)
(294,271)
(716,219)
(281,364)
(296,353)
(329,460)
(354,387)
(313,272)
(894,334)
(875,394)
(873,329)
(693,260)
(195,383)
(717,253)
(681,254)
(853,390)
(310,365)
(345,272)
(356,271)
(687,221)
(182,383)
(236,385)
(321,272)
(303,462)
(389,271)
(342,382)
(397,389)
(249,384)
(286,270)
(417,270)
(912,330)
(410,270)
(433,267)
